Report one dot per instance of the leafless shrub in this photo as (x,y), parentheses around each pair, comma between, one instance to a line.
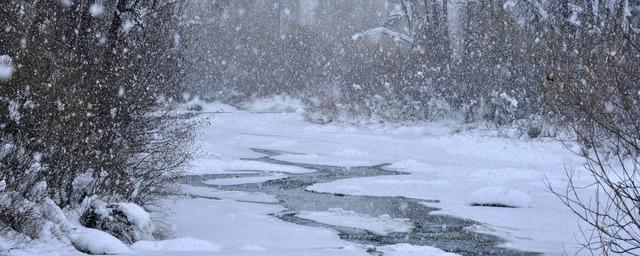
(597,92)
(86,111)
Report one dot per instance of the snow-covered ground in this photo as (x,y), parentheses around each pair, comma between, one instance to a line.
(459,169)
(465,171)
(241,228)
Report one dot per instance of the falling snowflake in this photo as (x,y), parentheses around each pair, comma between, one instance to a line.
(96,9)
(6,68)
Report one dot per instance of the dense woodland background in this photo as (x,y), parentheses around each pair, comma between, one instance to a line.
(88,88)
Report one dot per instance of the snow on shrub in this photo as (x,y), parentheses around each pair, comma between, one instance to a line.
(126,221)
(499,197)
(381,225)
(140,219)
(195,104)
(93,241)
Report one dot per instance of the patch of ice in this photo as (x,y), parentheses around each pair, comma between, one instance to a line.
(245,180)
(498,196)
(381,225)
(328,159)
(229,195)
(215,166)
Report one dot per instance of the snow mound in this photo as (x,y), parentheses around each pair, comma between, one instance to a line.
(283,104)
(93,241)
(184,244)
(408,249)
(499,197)
(381,225)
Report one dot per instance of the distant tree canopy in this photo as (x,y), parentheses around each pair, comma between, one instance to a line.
(471,60)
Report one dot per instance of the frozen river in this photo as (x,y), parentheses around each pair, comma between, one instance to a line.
(341,212)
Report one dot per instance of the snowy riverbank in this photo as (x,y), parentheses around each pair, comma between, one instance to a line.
(459,170)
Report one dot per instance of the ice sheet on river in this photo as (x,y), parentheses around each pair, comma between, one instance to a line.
(381,225)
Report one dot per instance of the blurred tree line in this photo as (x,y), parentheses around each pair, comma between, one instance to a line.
(467,60)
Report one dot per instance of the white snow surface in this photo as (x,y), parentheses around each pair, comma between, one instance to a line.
(381,225)
(184,244)
(276,104)
(241,228)
(411,250)
(246,180)
(94,241)
(442,164)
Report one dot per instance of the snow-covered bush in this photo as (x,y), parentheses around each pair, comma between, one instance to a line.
(277,103)
(81,109)
(125,221)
